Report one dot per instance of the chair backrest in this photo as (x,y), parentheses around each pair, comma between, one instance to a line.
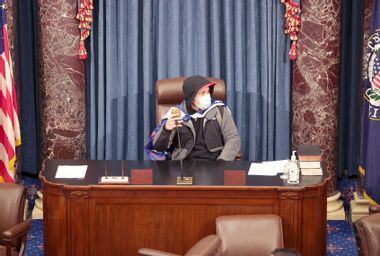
(369,232)
(169,93)
(249,234)
(12,202)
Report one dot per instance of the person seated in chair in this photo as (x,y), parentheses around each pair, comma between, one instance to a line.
(205,126)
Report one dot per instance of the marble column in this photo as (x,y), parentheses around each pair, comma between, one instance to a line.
(12,29)
(62,81)
(316,81)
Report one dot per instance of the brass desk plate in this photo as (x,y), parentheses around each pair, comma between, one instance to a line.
(113,180)
(184,180)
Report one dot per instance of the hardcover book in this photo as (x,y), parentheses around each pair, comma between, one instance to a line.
(309,164)
(309,153)
(311,171)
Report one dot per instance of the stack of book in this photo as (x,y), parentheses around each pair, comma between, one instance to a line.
(310,159)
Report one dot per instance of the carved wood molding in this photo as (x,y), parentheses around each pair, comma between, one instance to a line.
(78,194)
(290,195)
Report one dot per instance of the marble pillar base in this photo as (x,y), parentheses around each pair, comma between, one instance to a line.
(359,207)
(335,210)
(37,212)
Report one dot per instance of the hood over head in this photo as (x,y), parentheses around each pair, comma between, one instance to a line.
(192,85)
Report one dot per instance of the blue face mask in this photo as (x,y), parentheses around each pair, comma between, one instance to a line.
(204,102)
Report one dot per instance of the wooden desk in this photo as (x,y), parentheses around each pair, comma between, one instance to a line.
(83,218)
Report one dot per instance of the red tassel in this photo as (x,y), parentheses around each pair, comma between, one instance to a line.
(88,18)
(84,34)
(84,15)
(293,36)
(90,5)
(82,24)
(293,51)
(82,51)
(292,24)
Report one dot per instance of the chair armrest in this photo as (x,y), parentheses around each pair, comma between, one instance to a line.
(208,245)
(374,209)
(286,251)
(16,231)
(151,252)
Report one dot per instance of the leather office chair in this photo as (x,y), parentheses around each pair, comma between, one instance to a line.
(374,209)
(253,235)
(13,230)
(369,233)
(207,246)
(169,93)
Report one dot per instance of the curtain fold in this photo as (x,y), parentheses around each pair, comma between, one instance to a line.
(349,87)
(27,82)
(136,42)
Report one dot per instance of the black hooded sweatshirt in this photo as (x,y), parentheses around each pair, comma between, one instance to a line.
(190,89)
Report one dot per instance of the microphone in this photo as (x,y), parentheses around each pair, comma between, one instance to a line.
(177,113)
(181,180)
(114,180)
(105,169)
(122,169)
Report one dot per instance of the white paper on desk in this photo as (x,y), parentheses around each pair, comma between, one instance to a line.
(71,171)
(269,168)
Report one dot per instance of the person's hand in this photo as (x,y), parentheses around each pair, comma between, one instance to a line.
(174,119)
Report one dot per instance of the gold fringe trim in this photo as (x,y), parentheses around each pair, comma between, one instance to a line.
(366,196)
(371,201)
(361,170)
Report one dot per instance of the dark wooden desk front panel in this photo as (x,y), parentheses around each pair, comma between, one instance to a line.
(82,218)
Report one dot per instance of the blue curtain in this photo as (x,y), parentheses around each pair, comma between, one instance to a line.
(27,81)
(136,42)
(351,48)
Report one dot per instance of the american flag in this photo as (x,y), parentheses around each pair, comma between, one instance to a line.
(376,80)
(9,124)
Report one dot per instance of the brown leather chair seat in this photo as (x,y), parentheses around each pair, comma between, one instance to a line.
(369,232)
